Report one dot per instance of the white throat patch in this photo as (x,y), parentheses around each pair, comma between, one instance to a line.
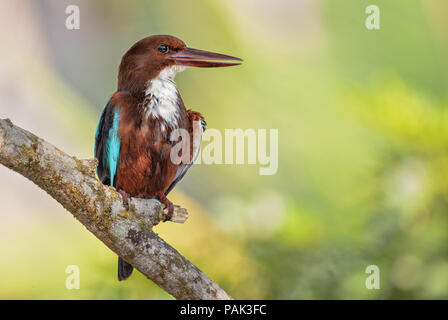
(164,97)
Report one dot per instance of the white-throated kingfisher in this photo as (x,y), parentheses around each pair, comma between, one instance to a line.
(132,141)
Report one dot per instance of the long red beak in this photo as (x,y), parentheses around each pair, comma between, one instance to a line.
(205,59)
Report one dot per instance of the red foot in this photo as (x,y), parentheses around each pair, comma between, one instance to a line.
(125,196)
(167,203)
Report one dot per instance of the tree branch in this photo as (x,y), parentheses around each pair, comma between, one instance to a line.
(127,231)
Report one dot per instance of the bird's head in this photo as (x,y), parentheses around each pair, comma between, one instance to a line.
(148,57)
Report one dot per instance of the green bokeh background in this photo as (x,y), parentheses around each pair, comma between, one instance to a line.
(363,145)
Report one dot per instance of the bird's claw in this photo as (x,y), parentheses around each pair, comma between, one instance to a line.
(125,197)
(168,205)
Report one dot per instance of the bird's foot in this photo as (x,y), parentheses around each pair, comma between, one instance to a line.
(167,203)
(125,197)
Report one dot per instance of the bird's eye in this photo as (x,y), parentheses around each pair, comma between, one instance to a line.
(163,48)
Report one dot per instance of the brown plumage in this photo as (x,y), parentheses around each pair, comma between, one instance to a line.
(144,166)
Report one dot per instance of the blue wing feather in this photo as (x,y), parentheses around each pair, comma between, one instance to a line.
(107,144)
(99,127)
(113,147)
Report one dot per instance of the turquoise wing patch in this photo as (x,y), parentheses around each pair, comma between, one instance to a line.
(113,147)
(107,144)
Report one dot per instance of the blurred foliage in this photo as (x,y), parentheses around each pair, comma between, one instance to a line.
(363,149)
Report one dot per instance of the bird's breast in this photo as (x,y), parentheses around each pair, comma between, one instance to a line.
(162,100)
(145,165)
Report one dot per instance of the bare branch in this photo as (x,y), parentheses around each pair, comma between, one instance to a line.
(127,231)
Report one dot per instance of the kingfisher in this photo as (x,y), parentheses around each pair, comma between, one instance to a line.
(133,140)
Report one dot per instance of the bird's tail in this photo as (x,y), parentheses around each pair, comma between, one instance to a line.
(124,269)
